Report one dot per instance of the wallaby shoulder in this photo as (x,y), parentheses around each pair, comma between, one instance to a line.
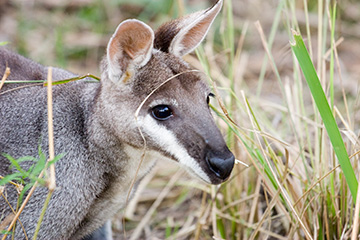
(24,110)
(21,67)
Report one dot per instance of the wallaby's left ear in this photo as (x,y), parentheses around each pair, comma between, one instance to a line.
(183,35)
(129,47)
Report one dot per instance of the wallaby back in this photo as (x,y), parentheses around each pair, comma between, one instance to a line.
(145,87)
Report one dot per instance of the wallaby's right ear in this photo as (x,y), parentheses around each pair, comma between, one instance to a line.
(181,36)
(130,47)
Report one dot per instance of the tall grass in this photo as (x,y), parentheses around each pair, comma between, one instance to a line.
(294,187)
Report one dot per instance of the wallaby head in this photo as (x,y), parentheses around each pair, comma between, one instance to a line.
(147,87)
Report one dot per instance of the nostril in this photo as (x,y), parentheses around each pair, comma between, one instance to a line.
(214,166)
(221,167)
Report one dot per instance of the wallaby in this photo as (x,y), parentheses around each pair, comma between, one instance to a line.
(96,129)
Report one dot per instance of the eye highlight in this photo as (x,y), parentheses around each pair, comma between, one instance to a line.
(208,98)
(161,112)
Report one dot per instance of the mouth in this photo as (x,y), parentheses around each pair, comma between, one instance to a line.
(211,170)
(211,174)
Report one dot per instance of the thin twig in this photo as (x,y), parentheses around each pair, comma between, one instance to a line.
(9,218)
(13,183)
(354,234)
(42,214)
(52,184)
(20,87)
(51,180)
(200,223)
(213,213)
(5,76)
(44,82)
(22,206)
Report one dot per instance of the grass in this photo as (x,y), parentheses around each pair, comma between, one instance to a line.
(325,111)
(285,111)
(303,189)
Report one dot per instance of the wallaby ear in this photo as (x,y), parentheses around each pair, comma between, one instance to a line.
(130,47)
(183,35)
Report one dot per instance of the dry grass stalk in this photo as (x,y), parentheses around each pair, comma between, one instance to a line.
(5,76)
(26,200)
(51,183)
(137,233)
(354,234)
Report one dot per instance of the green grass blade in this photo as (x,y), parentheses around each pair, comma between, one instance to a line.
(326,114)
(11,177)
(73,79)
(57,82)
(332,61)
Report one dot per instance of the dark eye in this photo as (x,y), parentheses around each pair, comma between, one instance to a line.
(208,98)
(161,112)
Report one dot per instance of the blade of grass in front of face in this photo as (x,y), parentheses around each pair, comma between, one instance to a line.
(318,94)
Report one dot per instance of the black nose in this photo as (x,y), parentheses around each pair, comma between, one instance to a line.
(220,166)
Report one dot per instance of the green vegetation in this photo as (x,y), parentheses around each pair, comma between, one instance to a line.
(325,111)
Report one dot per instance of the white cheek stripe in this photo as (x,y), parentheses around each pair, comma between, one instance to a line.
(168,142)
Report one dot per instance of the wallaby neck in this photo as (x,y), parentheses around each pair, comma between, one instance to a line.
(121,165)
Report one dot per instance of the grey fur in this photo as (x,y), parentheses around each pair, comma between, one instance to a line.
(94,126)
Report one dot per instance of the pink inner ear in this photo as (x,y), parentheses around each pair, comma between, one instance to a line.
(196,34)
(132,38)
(193,30)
